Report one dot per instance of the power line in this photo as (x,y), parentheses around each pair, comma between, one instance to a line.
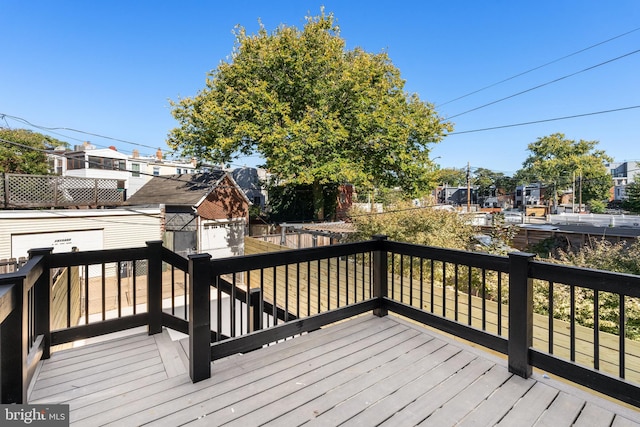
(51,130)
(538,67)
(545,84)
(544,120)
(75,130)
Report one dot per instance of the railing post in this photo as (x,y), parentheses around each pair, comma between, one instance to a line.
(520,313)
(13,349)
(380,276)
(42,302)
(154,286)
(199,317)
(256,309)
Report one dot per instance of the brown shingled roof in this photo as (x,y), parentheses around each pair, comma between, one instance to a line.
(177,190)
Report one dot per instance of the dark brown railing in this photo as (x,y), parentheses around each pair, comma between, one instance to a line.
(239,304)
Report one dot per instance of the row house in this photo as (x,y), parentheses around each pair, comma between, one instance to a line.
(623,174)
(86,161)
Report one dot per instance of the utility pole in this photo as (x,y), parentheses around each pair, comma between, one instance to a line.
(468,187)
(573,193)
(580,190)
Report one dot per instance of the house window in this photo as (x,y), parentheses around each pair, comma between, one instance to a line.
(106,163)
(75,162)
(156,171)
(135,170)
(178,171)
(256,200)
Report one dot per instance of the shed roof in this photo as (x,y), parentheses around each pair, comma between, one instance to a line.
(180,190)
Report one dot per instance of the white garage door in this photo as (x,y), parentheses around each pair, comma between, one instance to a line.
(222,238)
(85,240)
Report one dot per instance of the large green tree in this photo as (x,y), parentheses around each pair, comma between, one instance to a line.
(22,151)
(317,112)
(561,163)
(632,202)
(487,181)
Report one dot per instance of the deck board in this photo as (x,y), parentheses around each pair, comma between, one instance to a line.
(366,371)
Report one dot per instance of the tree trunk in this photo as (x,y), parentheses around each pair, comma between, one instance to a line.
(318,201)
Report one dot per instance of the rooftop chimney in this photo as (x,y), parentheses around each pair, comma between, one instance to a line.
(135,154)
(159,154)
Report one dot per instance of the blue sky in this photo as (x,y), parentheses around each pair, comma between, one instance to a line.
(110,67)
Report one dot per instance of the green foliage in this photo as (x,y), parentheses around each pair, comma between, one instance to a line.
(555,160)
(597,206)
(632,203)
(422,226)
(486,180)
(604,255)
(317,112)
(23,154)
(601,255)
(294,203)
(451,177)
(548,247)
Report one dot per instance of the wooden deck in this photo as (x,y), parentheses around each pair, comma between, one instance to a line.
(366,371)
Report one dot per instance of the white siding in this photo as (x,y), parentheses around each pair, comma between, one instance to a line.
(122,228)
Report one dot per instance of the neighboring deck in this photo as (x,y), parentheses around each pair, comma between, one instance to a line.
(366,371)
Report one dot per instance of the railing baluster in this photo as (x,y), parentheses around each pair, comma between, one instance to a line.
(218,308)
(286,292)
(118,290)
(393,275)
(298,290)
(135,286)
(185,293)
(346,284)
(69,272)
(499,303)
(623,328)
(232,305)
(411,280)
(249,302)
(551,317)
(432,285)
(455,295)
(444,289)
(469,299)
(338,282)
(421,283)
(275,297)
(484,299)
(572,323)
(319,286)
(103,283)
(308,288)
(86,294)
(596,330)
(262,291)
(401,278)
(173,290)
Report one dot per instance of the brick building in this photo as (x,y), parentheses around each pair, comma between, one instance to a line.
(206,212)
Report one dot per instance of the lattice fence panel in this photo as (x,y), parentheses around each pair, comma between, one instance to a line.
(30,190)
(76,191)
(108,192)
